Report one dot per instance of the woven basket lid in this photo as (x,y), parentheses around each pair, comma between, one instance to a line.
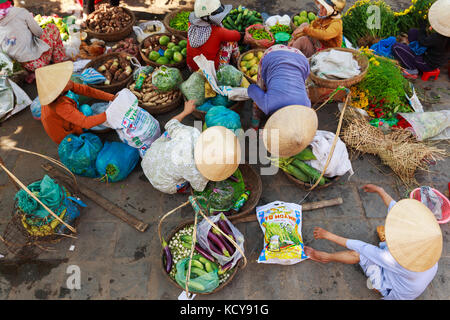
(217,153)
(290,130)
(439,17)
(413,235)
(51,81)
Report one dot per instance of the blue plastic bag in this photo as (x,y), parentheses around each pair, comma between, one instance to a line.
(86,110)
(206,106)
(80,153)
(92,76)
(35,108)
(222,116)
(220,100)
(116,161)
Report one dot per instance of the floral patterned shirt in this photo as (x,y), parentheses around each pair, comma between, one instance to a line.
(169,162)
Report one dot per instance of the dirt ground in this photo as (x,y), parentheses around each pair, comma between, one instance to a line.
(118,262)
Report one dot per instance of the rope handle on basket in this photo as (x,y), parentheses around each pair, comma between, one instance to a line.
(336,136)
(197,209)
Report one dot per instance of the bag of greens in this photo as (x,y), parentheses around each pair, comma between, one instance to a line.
(166,79)
(227,75)
(194,88)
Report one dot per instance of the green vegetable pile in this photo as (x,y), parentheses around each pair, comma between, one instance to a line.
(180,21)
(227,75)
(280,28)
(296,167)
(239,19)
(259,34)
(180,247)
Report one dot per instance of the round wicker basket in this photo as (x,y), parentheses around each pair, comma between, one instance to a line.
(307,186)
(167,20)
(253,183)
(220,287)
(240,60)
(115,36)
(179,65)
(363,62)
(97,62)
(160,109)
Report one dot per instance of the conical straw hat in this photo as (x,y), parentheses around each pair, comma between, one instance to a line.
(217,153)
(290,130)
(51,81)
(413,235)
(439,17)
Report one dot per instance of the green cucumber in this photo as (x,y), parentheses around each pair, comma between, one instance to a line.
(186,238)
(305,155)
(240,8)
(198,264)
(198,272)
(231,22)
(196,286)
(238,20)
(310,171)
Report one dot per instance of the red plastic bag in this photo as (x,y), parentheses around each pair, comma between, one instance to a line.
(254,43)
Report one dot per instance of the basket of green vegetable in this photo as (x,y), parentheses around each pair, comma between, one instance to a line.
(164,49)
(177,250)
(302,17)
(241,18)
(176,22)
(244,179)
(302,174)
(258,36)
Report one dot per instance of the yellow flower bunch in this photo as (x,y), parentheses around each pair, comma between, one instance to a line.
(359,98)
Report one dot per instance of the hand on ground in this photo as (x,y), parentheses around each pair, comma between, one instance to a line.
(371,188)
(320,233)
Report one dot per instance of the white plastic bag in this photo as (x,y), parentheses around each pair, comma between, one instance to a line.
(142,32)
(335,64)
(340,162)
(281,223)
(72,46)
(209,71)
(273,20)
(202,238)
(20,99)
(134,125)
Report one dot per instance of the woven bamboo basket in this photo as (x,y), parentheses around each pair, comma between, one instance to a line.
(179,65)
(169,17)
(163,108)
(240,60)
(115,36)
(97,62)
(237,107)
(220,287)
(307,186)
(363,62)
(253,183)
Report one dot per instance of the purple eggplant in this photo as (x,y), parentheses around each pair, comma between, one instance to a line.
(223,225)
(225,268)
(230,248)
(204,253)
(234,179)
(218,243)
(168,256)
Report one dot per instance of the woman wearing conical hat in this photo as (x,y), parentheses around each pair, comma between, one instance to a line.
(58,97)
(405,263)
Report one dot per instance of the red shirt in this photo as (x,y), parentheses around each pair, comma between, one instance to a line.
(211,47)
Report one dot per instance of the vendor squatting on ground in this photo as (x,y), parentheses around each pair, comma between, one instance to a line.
(397,268)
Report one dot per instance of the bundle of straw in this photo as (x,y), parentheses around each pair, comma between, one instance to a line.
(398,149)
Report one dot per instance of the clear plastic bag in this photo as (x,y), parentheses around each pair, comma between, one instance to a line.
(203,228)
(429,125)
(194,88)
(222,196)
(166,79)
(145,29)
(227,75)
(429,198)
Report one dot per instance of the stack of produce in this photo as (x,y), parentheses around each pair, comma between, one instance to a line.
(239,19)
(180,21)
(299,169)
(280,28)
(382,91)
(116,69)
(150,97)
(95,49)
(128,45)
(250,64)
(303,17)
(107,19)
(43,21)
(179,248)
(163,49)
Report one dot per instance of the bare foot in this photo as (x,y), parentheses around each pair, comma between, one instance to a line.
(315,255)
(320,233)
